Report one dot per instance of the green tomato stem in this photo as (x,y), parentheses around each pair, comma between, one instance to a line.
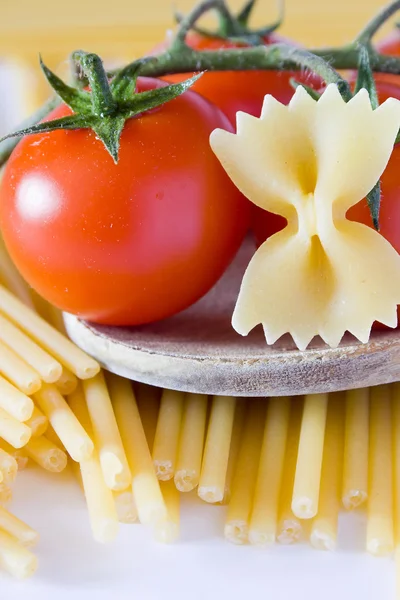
(102,98)
(182,59)
(244,15)
(365,36)
(266,58)
(231,27)
(188,22)
(8,145)
(228,25)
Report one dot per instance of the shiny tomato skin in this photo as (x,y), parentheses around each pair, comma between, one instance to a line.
(232,91)
(390,44)
(130,243)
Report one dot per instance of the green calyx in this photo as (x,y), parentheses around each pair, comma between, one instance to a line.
(236,28)
(365,79)
(107,105)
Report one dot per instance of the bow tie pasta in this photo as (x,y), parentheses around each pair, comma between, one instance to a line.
(309,162)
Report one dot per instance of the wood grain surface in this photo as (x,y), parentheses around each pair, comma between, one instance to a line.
(198,351)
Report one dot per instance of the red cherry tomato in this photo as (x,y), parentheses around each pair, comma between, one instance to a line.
(390,45)
(265,224)
(232,91)
(130,243)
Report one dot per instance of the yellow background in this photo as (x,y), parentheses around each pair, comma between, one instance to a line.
(27,26)
(126,29)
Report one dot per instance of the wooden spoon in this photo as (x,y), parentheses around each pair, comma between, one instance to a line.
(199,351)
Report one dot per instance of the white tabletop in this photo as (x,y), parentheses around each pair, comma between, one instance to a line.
(202,565)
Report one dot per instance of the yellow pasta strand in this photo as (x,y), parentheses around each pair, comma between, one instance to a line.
(100,502)
(239,509)
(72,357)
(380,493)
(50,313)
(166,439)
(263,522)
(145,485)
(15,558)
(395,389)
(108,441)
(290,528)
(17,454)
(53,438)
(168,531)
(309,460)
(99,498)
(355,466)
(237,430)
(38,423)
(14,402)
(17,528)
(46,454)
(191,442)
(14,432)
(125,506)
(216,450)
(17,371)
(48,367)
(67,382)
(8,467)
(41,306)
(325,524)
(10,276)
(5,493)
(75,439)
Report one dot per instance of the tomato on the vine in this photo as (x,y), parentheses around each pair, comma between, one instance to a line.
(126,243)
(232,91)
(390,45)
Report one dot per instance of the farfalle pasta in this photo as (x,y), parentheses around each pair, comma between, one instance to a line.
(310,162)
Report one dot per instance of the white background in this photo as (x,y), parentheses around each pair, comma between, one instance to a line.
(202,565)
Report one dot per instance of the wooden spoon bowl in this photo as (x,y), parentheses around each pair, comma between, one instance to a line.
(199,351)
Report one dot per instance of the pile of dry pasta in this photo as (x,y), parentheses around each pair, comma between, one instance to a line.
(284,467)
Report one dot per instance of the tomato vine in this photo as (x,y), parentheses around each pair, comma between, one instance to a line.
(180,58)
